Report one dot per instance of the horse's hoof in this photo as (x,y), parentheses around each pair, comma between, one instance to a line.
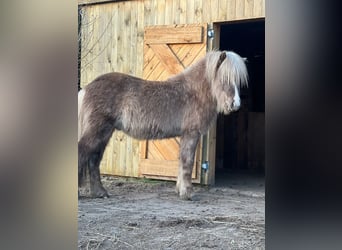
(177,189)
(186,195)
(100,193)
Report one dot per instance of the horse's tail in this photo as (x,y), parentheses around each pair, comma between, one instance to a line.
(82,161)
(79,114)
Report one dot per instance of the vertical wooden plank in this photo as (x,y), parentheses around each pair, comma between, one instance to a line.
(214,10)
(147,12)
(88,40)
(169,12)
(183,12)
(259,8)
(176,12)
(140,40)
(122,141)
(198,11)
(240,9)
(207,13)
(134,39)
(101,43)
(92,51)
(210,177)
(137,60)
(114,31)
(161,13)
(222,13)
(129,158)
(249,8)
(102,58)
(231,9)
(154,17)
(113,149)
(131,55)
(111,161)
(126,37)
(93,48)
(109,34)
(120,37)
(82,35)
(190,11)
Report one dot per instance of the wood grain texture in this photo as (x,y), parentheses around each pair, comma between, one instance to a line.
(162,168)
(169,60)
(174,34)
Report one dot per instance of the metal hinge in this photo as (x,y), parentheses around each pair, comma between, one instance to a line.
(205,166)
(211,33)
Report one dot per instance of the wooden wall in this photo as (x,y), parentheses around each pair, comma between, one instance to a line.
(112,36)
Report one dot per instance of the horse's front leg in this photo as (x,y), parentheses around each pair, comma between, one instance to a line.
(188,146)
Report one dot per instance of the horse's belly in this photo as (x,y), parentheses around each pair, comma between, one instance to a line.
(150,129)
(140,132)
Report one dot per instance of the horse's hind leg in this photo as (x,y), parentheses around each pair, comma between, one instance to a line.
(92,146)
(188,143)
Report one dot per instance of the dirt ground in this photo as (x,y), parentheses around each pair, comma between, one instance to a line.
(146,214)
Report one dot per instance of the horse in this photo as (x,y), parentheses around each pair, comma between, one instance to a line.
(184,105)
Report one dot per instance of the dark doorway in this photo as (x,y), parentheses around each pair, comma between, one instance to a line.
(240,144)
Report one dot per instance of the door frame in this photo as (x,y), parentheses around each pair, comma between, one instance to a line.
(208,141)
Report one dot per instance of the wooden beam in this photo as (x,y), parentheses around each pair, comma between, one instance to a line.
(176,34)
(162,168)
(89,2)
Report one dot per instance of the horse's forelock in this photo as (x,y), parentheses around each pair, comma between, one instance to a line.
(223,56)
(230,69)
(212,59)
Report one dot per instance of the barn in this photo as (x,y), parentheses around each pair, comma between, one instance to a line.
(154,39)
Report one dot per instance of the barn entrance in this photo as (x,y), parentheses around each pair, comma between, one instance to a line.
(240,142)
(237,145)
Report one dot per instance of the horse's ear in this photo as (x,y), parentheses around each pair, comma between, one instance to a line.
(223,56)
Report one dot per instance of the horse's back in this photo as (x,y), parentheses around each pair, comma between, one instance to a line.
(140,108)
(114,78)
(113,85)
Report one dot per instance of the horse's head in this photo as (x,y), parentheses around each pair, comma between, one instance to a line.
(227,72)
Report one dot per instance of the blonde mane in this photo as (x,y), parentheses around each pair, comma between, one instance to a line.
(231,71)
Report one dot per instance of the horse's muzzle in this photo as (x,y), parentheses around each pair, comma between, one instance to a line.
(236,105)
(237,100)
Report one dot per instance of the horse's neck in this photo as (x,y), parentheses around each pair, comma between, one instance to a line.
(193,74)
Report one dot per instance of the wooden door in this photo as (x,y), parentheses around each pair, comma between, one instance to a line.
(168,50)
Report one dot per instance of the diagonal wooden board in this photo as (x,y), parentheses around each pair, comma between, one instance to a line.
(167,58)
